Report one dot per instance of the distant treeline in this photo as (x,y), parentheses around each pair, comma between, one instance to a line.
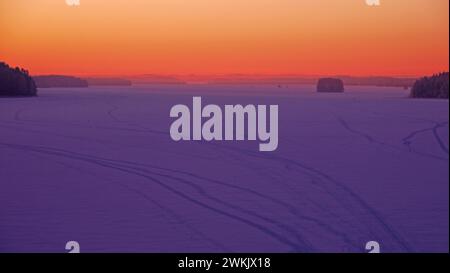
(155,79)
(347,80)
(379,81)
(51,81)
(70,81)
(108,82)
(16,82)
(436,86)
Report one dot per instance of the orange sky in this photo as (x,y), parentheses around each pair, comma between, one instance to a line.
(312,37)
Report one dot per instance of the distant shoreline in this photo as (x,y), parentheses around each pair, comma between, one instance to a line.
(378,81)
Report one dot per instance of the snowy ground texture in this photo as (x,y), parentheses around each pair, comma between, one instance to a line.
(98,166)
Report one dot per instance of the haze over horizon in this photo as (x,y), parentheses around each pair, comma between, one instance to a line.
(174,37)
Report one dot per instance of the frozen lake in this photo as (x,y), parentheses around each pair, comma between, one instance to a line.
(98,166)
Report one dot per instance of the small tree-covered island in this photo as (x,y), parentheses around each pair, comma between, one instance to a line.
(331,85)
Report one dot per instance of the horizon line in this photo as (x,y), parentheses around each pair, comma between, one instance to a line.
(231,75)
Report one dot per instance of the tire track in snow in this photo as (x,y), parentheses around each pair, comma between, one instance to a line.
(348,193)
(351,130)
(169,213)
(179,193)
(438,138)
(287,206)
(223,184)
(366,136)
(406,141)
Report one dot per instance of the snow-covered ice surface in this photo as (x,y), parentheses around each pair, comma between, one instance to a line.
(98,166)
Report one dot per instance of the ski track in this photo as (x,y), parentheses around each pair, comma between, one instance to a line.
(337,186)
(351,130)
(139,172)
(237,158)
(406,141)
(289,208)
(168,213)
(438,138)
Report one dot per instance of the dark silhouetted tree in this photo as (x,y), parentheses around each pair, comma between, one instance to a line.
(435,86)
(16,82)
